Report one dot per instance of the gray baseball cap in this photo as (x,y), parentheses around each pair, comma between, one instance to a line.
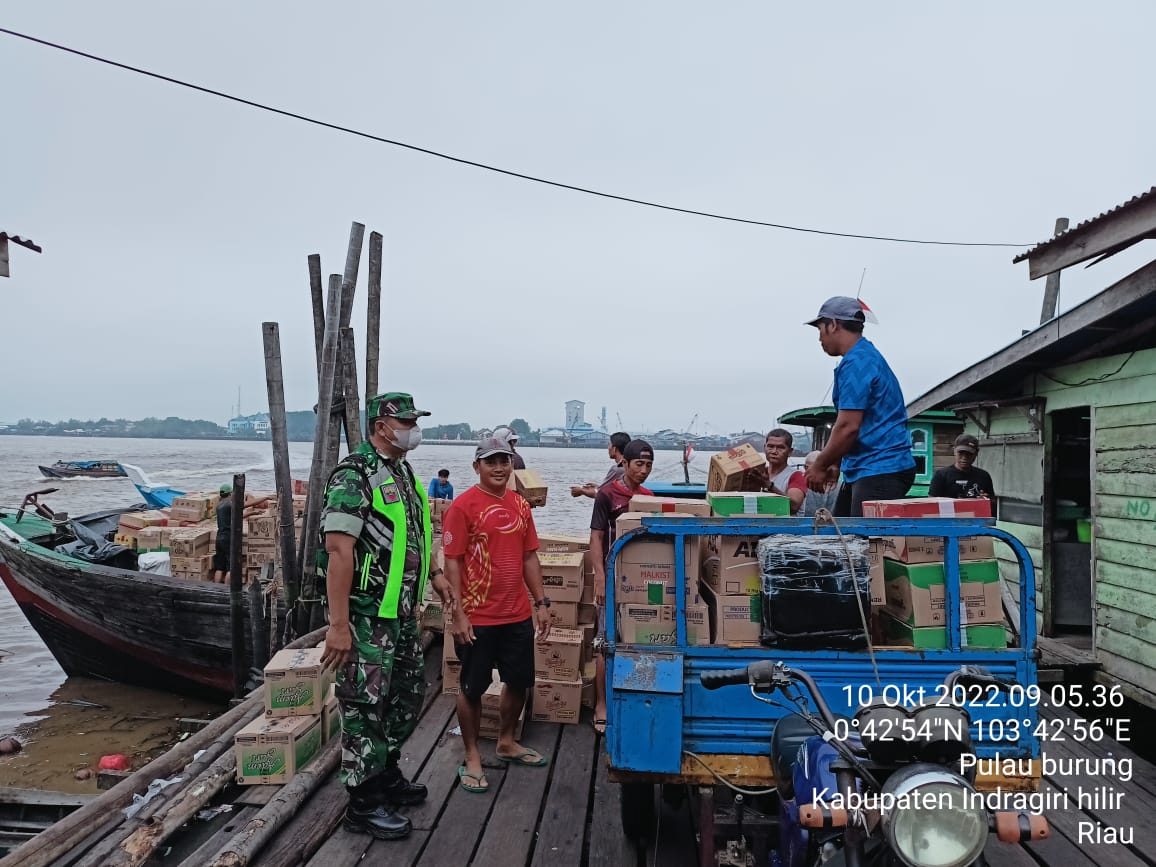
(492,446)
(845,309)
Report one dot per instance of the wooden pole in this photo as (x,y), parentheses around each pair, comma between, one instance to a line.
(373,318)
(348,289)
(1052,283)
(348,353)
(236,584)
(318,295)
(318,472)
(63,836)
(271,337)
(258,623)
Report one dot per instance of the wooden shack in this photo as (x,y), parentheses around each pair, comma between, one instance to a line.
(933,436)
(1066,418)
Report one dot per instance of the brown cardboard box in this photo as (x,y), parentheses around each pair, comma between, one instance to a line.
(875,558)
(645,572)
(272,751)
(557,701)
(140,520)
(930,549)
(735,570)
(296,683)
(553,543)
(563,615)
(200,506)
(735,619)
(531,486)
(189,542)
(191,568)
(562,576)
(729,469)
(915,593)
(655,624)
(449,649)
(669,505)
(451,676)
(559,657)
(125,536)
(149,538)
(587,613)
(261,527)
(491,712)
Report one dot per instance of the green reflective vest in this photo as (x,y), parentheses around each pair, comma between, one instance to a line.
(391,508)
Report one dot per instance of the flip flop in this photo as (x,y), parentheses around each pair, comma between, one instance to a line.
(477,789)
(528,758)
(599,726)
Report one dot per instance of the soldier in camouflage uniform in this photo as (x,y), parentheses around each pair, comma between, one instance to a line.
(375,557)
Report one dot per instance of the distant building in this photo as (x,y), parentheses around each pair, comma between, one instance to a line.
(250,425)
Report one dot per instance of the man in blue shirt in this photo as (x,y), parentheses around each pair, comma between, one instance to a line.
(870,434)
(440,488)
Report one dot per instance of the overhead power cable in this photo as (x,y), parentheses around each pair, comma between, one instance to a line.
(485,166)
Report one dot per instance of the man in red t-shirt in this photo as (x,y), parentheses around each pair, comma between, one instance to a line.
(612,500)
(491,559)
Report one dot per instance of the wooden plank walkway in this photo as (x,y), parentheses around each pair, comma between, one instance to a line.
(567,814)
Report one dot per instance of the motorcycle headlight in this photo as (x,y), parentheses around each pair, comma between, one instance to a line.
(936,820)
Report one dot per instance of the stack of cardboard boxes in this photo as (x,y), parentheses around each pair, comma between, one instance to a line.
(301,715)
(912,612)
(568,579)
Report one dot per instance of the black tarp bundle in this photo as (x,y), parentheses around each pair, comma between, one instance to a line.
(808,595)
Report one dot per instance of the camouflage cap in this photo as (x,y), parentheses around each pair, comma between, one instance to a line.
(393,403)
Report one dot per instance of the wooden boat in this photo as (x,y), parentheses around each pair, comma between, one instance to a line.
(24,813)
(117,623)
(83,469)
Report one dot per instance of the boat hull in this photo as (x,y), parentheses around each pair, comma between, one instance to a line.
(149,630)
(63,473)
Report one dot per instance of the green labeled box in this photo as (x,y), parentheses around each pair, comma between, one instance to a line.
(985,636)
(296,683)
(737,504)
(914,592)
(271,751)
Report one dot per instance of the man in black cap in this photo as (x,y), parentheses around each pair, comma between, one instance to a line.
(870,434)
(963,480)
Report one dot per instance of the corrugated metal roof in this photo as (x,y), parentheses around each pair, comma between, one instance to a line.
(23,242)
(1132,202)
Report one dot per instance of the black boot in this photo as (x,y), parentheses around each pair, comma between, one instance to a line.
(368,814)
(397,790)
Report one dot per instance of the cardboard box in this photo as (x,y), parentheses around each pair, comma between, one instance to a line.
(735,619)
(563,615)
(562,576)
(732,566)
(930,549)
(202,506)
(261,527)
(140,520)
(915,593)
(560,656)
(531,486)
(491,718)
(149,539)
(985,636)
(656,624)
(300,487)
(737,504)
(449,649)
(587,613)
(553,543)
(274,750)
(927,507)
(126,537)
(195,568)
(557,701)
(330,717)
(729,469)
(190,542)
(296,684)
(878,580)
(645,503)
(451,676)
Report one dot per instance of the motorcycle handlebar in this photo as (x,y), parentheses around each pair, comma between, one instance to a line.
(726,677)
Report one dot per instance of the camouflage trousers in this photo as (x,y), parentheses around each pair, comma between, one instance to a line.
(380,690)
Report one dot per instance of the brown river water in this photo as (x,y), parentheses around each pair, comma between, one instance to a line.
(68,723)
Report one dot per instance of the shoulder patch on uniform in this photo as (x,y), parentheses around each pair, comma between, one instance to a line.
(389,493)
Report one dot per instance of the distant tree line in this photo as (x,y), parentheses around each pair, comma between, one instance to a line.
(299,427)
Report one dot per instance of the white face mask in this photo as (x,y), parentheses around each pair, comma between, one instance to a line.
(407,440)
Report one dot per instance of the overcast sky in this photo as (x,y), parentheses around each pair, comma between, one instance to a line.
(174,223)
